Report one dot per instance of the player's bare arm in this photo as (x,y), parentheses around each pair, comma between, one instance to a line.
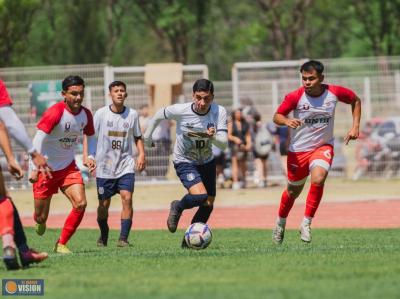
(355,129)
(89,145)
(282,120)
(141,159)
(13,166)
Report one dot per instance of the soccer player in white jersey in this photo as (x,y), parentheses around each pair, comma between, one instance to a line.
(117,128)
(199,124)
(62,127)
(311,143)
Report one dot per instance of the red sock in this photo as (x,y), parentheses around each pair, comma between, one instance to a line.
(71,224)
(313,199)
(6,216)
(286,204)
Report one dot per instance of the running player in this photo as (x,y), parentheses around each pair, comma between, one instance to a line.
(311,144)
(117,127)
(59,130)
(198,125)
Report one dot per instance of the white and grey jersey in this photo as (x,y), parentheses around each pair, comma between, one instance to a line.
(115,133)
(192,143)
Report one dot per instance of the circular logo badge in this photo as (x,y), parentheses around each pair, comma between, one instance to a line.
(11,287)
(190,177)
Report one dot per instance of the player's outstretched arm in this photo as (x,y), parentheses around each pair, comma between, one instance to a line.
(153,123)
(5,145)
(141,158)
(355,129)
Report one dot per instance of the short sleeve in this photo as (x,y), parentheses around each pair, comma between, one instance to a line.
(5,98)
(172,112)
(51,118)
(343,94)
(290,101)
(137,132)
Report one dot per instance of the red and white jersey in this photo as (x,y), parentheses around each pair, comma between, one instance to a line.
(317,114)
(5,99)
(64,130)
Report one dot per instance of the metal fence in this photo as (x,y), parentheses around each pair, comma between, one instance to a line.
(97,77)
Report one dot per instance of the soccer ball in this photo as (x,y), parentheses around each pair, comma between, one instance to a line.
(198,236)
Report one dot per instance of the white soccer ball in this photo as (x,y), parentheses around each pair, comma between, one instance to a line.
(198,236)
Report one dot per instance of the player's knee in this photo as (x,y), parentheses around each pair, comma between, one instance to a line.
(318,180)
(81,206)
(210,201)
(293,193)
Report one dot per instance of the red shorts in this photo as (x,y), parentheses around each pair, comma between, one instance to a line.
(299,164)
(46,187)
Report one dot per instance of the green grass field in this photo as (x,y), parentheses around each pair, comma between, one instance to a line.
(238,264)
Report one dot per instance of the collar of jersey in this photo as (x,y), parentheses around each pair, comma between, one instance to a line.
(70,111)
(191,106)
(109,107)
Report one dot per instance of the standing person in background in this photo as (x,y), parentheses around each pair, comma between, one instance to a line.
(117,128)
(199,125)
(311,144)
(61,127)
(239,137)
(262,147)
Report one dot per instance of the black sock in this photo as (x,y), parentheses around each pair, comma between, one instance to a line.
(192,200)
(103,229)
(202,214)
(19,237)
(126,225)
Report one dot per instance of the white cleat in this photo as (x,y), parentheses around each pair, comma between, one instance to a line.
(278,233)
(305,232)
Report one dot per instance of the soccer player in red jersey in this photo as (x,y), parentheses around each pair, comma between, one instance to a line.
(311,144)
(11,229)
(62,127)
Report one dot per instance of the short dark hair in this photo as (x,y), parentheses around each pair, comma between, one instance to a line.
(203,85)
(72,80)
(312,65)
(116,83)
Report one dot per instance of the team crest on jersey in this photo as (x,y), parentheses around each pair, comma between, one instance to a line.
(67,127)
(126,125)
(210,125)
(190,177)
(109,124)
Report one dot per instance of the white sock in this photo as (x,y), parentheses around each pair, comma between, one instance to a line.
(8,240)
(307,220)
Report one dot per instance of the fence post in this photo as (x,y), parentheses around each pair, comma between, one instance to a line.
(108,78)
(274,92)
(397,86)
(235,86)
(367,98)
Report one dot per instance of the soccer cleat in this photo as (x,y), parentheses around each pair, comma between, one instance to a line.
(40,228)
(305,232)
(123,243)
(101,242)
(278,233)
(10,258)
(61,248)
(184,245)
(32,256)
(174,216)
